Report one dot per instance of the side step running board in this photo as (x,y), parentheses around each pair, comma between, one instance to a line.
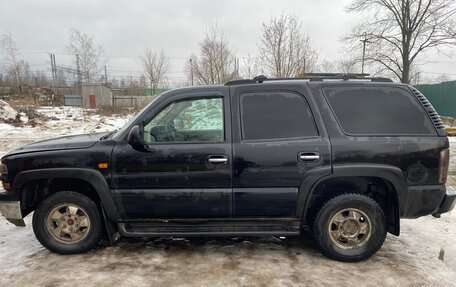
(187,230)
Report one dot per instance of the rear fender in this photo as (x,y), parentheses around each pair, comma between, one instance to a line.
(390,173)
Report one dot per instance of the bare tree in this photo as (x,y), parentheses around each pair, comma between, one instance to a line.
(428,79)
(285,49)
(13,65)
(40,79)
(251,67)
(61,78)
(88,53)
(348,65)
(132,82)
(17,71)
(442,78)
(327,66)
(398,31)
(216,63)
(143,81)
(156,66)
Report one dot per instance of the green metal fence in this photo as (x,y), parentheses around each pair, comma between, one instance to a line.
(442,96)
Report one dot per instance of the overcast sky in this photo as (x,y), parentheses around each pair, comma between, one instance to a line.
(126,27)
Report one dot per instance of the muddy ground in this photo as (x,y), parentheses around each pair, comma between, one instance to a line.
(424,255)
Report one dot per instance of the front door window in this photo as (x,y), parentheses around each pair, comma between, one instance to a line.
(190,120)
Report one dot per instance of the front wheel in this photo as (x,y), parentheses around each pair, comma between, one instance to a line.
(349,228)
(67,222)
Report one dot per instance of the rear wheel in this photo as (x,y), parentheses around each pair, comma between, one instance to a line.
(349,228)
(67,222)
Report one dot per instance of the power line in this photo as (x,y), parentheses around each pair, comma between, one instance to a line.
(438,62)
(435,73)
(139,57)
(31,52)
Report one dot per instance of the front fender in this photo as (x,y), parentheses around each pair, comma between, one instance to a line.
(93,177)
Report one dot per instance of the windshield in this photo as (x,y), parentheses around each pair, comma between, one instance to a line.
(133,119)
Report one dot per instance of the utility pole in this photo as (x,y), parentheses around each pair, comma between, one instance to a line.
(54,72)
(78,76)
(54,77)
(365,40)
(52,68)
(78,69)
(106,76)
(191,70)
(36,90)
(304,68)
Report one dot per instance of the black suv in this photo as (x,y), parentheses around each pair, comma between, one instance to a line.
(345,158)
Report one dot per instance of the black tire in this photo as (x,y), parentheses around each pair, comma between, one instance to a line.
(90,238)
(369,244)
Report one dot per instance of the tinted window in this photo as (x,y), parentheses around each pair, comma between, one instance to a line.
(378,111)
(192,120)
(275,115)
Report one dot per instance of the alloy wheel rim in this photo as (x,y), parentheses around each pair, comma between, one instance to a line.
(68,223)
(350,228)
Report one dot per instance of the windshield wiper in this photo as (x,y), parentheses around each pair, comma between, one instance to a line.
(108,135)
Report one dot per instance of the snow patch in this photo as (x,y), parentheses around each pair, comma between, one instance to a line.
(61,121)
(7,113)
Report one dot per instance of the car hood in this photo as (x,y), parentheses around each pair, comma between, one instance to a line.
(62,143)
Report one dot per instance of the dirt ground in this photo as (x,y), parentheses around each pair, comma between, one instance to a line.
(424,255)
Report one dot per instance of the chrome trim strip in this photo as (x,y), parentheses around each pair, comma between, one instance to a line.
(218,160)
(309,157)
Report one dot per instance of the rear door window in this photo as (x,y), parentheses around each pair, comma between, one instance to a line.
(275,115)
(378,111)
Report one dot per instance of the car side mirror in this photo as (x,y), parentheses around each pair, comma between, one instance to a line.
(178,124)
(134,137)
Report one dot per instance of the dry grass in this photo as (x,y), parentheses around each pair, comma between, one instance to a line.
(19,103)
(27,103)
(118,111)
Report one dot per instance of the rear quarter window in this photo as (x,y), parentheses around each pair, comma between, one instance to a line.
(378,111)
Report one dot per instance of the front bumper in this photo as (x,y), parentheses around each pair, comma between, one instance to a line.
(448,202)
(11,210)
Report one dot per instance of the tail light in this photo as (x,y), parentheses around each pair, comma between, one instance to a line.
(444,161)
(3,169)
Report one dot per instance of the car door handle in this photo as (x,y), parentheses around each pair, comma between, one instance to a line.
(308,156)
(218,159)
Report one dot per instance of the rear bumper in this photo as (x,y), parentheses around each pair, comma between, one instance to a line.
(448,202)
(428,199)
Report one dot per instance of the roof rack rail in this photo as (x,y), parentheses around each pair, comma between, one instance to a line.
(311,77)
(240,82)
